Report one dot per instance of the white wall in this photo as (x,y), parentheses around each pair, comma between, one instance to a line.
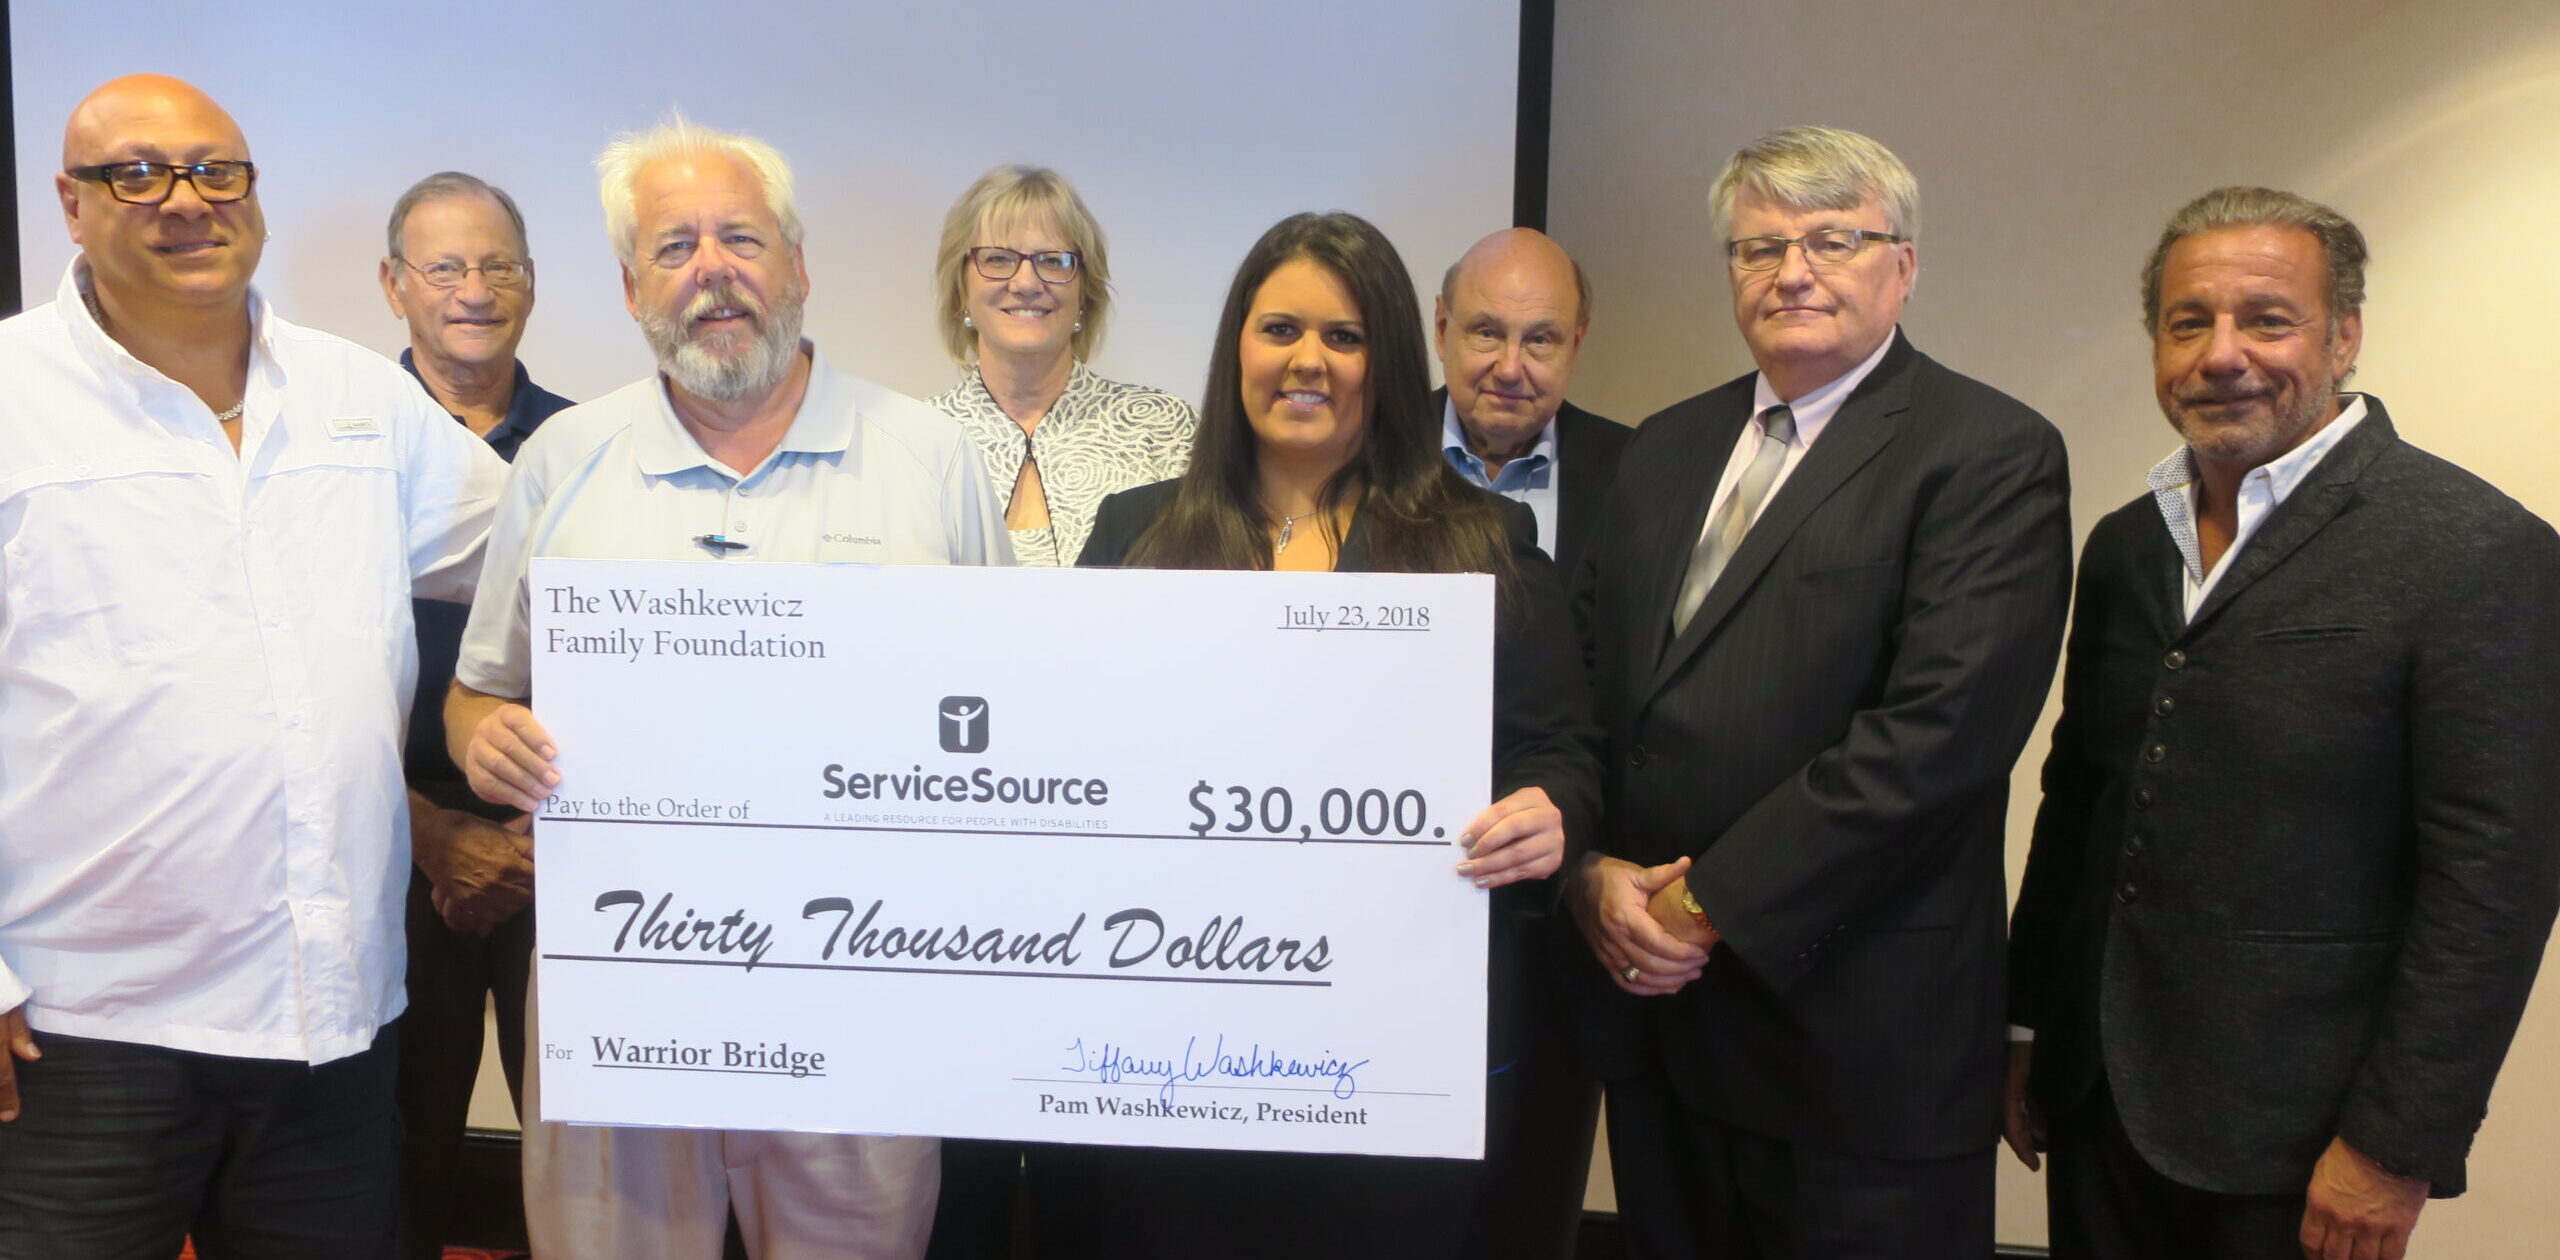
(2051,141)
(1188,127)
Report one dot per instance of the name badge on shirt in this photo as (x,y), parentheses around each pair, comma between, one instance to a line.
(355,426)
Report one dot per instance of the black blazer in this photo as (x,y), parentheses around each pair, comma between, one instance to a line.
(1587,450)
(1542,732)
(2297,857)
(1831,741)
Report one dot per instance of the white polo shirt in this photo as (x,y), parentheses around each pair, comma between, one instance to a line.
(864,474)
(205,666)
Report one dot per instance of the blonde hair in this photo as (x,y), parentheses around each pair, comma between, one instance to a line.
(1819,168)
(1009,196)
(618,169)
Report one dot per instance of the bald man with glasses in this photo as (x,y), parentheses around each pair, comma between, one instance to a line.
(211,525)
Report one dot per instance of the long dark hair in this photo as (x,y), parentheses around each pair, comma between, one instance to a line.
(1418,515)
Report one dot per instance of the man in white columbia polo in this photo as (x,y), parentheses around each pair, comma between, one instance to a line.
(746,445)
(211,525)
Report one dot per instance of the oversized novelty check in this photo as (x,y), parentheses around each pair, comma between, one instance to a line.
(1101,856)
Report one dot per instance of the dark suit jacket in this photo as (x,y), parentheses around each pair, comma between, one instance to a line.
(1587,450)
(1542,733)
(2296,859)
(1831,740)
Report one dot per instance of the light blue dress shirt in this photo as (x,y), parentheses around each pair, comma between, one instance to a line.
(1530,479)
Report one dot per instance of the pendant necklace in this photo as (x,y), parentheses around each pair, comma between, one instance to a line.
(1289,529)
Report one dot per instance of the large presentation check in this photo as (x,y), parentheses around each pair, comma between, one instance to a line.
(1101,856)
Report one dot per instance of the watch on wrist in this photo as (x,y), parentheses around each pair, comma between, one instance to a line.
(1689,902)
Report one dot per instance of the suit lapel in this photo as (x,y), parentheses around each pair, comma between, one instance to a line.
(1861,428)
(2305,512)
(1707,452)
(1354,556)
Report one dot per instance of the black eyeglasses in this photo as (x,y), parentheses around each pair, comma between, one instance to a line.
(150,183)
(995,262)
(448,274)
(1821,249)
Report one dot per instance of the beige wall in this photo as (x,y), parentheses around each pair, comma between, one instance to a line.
(2050,142)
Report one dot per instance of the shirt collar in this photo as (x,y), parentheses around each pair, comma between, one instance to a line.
(825,423)
(976,397)
(1813,411)
(1453,441)
(109,355)
(2172,481)
(519,421)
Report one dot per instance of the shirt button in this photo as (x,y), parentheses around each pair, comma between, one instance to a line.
(2156,753)
(2126,893)
(2133,845)
(2142,798)
(2175,659)
(2164,706)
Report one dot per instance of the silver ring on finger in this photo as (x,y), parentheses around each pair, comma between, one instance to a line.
(1632,974)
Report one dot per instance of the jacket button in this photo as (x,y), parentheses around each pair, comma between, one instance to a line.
(2133,846)
(2175,659)
(2164,706)
(2156,753)
(2142,798)
(1637,756)
(2126,893)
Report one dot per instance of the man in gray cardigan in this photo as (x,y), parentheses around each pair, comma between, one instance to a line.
(2296,859)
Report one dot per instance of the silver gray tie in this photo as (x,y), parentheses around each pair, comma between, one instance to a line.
(1716,544)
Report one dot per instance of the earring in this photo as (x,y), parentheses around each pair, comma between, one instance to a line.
(1079,326)
(966,322)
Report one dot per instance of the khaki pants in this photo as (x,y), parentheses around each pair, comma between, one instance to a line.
(598,1193)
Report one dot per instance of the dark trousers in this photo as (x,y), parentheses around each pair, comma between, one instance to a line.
(1540,1112)
(452,978)
(974,1217)
(1692,1188)
(123,1150)
(2108,1203)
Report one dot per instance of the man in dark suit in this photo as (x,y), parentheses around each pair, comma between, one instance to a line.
(2295,864)
(1824,604)
(1508,325)
(1510,320)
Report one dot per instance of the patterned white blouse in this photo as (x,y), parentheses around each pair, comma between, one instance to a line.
(1100,438)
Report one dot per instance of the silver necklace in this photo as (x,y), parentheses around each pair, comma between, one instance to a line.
(1289,529)
(226,417)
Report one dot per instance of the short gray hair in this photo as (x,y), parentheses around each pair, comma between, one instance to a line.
(2341,242)
(1819,168)
(630,153)
(448,184)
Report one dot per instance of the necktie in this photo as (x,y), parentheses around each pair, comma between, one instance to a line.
(1733,519)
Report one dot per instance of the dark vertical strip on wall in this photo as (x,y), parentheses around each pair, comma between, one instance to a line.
(11,295)
(1537,90)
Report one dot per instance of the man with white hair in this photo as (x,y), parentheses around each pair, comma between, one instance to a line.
(745,445)
(1825,600)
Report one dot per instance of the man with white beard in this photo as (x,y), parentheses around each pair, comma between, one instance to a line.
(745,445)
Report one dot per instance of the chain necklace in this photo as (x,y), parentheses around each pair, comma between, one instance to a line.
(226,417)
(1288,528)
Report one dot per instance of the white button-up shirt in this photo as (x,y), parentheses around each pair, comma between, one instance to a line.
(2174,486)
(205,662)
(864,474)
(1812,414)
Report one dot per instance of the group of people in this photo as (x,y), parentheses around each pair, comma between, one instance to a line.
(1763,666)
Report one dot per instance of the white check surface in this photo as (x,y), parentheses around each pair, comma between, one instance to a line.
(761,906)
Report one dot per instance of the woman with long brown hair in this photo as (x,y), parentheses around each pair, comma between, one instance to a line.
(1318,450)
